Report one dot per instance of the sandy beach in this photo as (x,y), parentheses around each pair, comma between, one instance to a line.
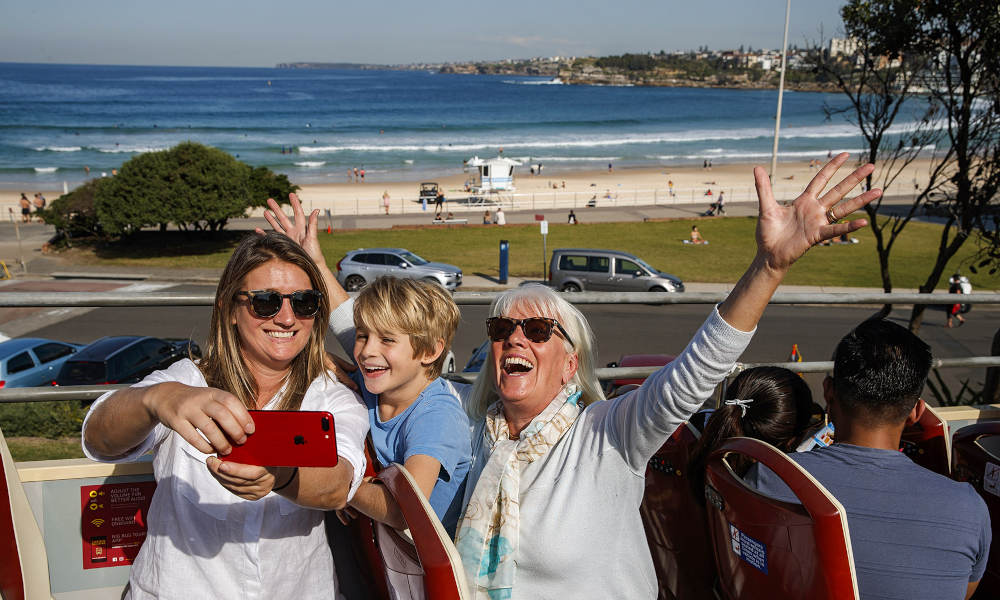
(554,189)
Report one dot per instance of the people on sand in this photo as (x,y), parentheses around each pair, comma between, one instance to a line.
(385,201)
(695,237)
(210,520)
(25,208)
(904,545)
(537,407)
(438,202)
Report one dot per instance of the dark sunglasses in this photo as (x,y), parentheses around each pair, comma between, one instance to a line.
(267,303)
(536,329)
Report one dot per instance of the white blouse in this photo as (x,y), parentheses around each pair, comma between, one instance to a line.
(205,542)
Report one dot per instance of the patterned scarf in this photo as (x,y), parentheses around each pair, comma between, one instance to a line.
(488,531)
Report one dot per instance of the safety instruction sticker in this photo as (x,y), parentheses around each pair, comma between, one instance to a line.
(113,522)
(991,479)
(753,552)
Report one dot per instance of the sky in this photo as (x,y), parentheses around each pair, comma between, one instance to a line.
(258,33)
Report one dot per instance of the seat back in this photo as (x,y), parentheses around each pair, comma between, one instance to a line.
(976,459)
(437,573)
(926,443)
(674,520)
(24,571)
(766,548)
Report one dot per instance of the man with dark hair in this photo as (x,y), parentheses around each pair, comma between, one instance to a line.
(914,534)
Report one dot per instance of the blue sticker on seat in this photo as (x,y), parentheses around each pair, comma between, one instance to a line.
(753,552)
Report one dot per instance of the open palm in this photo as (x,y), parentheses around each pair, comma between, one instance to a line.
(785,233)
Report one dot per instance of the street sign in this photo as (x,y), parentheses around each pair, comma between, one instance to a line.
(545,227)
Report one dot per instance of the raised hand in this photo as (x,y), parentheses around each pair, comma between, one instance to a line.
(302,230)
(785,233)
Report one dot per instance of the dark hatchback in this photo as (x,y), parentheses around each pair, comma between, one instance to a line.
(124,359)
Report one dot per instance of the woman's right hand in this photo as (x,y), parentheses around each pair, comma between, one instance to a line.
(219,416)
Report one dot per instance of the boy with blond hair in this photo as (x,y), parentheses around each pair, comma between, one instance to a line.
(398,331)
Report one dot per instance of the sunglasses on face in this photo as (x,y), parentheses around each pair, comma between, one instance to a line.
(536,329)
(267,303)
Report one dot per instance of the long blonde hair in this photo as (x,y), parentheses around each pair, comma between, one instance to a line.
(539,300)
(223,365)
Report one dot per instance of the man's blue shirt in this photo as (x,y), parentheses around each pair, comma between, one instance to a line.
(914,534)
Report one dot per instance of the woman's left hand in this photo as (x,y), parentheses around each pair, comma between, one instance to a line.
(249,482)
(785,233)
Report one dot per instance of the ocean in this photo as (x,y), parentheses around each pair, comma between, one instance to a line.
(315,125)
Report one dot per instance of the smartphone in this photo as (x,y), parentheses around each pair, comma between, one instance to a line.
(288,438)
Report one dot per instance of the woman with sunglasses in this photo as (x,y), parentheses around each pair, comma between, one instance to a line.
(215,528)
(557,476)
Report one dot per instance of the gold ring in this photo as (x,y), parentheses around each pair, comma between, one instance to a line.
(832,218)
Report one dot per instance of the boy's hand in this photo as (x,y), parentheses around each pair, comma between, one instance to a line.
(300,229)
(341,368)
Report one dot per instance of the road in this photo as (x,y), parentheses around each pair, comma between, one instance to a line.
(619,329)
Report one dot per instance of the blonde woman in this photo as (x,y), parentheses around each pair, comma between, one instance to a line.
(223,529)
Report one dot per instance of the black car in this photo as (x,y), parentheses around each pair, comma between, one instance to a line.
(124,359)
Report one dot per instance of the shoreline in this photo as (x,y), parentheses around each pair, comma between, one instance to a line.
(624,186)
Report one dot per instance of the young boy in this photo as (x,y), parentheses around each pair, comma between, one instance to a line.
(399,333)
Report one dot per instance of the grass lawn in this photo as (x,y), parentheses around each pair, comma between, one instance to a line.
(37,448)
(475,250)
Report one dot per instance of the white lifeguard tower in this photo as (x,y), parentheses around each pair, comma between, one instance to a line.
(494,174)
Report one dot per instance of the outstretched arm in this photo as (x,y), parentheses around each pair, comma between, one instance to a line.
(785,233)
(304,231)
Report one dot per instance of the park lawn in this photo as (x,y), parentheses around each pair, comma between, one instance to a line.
(475,249)
(38,448)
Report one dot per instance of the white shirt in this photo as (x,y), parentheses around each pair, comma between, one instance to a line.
(205,542)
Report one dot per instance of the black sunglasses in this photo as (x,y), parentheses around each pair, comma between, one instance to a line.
(266,303)
(536,329)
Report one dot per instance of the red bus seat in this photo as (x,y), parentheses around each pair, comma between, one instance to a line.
(766,548)
(435,570)
(976,454)
(675,525)
(926,443)
(24,570)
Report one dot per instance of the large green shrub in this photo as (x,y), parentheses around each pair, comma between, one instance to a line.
(74,214)
(192,186)
(41,419)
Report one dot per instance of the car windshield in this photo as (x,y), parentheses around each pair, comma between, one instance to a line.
(646,266)
(413,258)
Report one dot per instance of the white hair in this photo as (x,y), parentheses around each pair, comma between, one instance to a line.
(541,301)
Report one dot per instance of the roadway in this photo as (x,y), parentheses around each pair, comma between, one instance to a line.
(619,329)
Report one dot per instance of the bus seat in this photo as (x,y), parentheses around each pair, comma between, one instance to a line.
(675,525)
(435,571)
(24,571)
(975,452)
(766,548)
(926,443)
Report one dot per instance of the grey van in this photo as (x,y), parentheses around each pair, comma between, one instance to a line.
(365,264)
(576,269)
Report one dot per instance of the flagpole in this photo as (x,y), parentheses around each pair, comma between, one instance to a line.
(781,91)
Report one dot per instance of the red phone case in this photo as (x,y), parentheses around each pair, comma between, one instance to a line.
(288,438)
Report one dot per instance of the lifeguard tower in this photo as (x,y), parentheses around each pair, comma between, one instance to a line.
(493,174)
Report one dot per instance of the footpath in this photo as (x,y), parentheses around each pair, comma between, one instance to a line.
(25,241)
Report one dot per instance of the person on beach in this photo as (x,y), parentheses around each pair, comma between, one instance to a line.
(355,174)
(554,462)
(611,168)
(438,203)
(385,201)
(220,528)
(362,174)
(25,208)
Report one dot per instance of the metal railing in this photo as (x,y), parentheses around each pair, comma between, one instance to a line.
(111,299)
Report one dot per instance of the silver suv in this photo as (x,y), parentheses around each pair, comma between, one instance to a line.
(576,269)
(360,266)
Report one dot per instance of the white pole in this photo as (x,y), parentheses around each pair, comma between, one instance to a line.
(781,91)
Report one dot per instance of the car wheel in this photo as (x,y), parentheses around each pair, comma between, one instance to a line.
(354,283)
(431,280)
(657,288)
(570,287)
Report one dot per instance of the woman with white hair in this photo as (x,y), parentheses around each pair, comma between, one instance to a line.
(557,476)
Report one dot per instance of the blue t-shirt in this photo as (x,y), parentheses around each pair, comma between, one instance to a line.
(434,425)
(914,534)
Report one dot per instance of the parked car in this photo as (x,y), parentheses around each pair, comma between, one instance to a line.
(27,362)
(577,269)
(479,356)
(124,359)
(428,191)
(635,360)
(360,266)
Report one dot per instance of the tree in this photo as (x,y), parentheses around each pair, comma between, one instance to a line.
(947,49)
(74,214)
(193,186)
